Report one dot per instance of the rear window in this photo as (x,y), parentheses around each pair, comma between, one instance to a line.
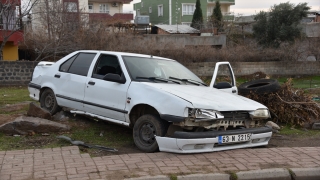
(78,64)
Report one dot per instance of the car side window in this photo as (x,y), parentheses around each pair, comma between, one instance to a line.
(106,64)
(81,64)
(224,75)
(66,65)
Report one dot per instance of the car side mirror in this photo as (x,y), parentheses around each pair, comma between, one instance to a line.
(222,85)
(115,78)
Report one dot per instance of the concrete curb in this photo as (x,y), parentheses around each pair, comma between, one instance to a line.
(274,174)
(216,176)
(305,173)
(160,177)
(266,174)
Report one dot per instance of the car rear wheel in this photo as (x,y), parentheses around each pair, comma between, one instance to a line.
(144,131)
(48,101)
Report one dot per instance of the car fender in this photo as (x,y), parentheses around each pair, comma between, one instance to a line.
(164,102)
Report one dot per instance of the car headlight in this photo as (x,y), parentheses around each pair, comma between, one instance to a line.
(260,113)
(205,114)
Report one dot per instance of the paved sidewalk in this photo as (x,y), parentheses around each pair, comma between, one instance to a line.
(68,163)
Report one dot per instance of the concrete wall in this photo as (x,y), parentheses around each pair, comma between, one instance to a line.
(20,72)
(312,29)
(270,68)
(181,41)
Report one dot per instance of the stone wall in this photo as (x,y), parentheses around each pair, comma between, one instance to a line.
(20,72)
(16,73)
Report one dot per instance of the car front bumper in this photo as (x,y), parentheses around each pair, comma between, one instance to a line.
(199,142)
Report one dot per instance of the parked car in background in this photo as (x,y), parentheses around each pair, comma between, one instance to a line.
(169,107)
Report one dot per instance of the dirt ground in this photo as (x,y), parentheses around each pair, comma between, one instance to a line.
(278,140)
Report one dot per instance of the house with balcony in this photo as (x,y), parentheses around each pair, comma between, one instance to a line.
(101,10)
(179,11)
(10,29)
(106,9)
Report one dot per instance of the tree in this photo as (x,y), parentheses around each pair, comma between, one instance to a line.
(57,30)
(11,14)
(216,16)
(280,24)
(197,19)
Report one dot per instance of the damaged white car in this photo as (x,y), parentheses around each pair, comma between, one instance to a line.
(169,108)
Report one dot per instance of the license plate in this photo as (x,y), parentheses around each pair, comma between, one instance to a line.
(234,138)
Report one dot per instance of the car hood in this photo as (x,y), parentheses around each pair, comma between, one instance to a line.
(209,98)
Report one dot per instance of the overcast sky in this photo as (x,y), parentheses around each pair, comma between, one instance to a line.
(249,7)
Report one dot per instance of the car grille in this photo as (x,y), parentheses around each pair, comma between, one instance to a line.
(235,115)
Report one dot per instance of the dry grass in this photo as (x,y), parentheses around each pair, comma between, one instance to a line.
(104,37)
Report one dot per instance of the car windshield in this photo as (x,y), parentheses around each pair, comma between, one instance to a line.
(153,68)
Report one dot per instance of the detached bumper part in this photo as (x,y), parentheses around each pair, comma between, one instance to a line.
(198,142)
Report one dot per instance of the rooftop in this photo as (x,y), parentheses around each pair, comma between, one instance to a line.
(178,29)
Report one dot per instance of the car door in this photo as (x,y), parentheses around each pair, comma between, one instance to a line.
(103,97)
(71,80)
(223,78)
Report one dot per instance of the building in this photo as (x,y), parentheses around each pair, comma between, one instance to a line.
(102,10)
(10,29)
(178,11)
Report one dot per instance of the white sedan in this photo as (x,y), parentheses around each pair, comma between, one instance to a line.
(169,107)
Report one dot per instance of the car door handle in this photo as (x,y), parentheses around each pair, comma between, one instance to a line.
(91,83)
(57,75)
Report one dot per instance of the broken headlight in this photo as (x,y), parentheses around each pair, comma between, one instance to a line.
(260,113)
(205,114)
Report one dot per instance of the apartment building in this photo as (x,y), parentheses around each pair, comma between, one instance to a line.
(179,11)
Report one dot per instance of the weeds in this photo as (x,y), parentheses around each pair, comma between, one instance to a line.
(12,95)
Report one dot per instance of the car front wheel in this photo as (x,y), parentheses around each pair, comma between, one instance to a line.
(144,131)
(48,101)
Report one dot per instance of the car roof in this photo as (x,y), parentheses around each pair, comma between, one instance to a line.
(125,54)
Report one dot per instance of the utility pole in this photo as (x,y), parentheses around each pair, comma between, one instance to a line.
(177,14)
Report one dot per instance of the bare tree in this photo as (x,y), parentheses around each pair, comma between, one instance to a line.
(57,30)
(11,14)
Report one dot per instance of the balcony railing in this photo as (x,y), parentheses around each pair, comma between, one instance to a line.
(222,1)
(114,1)
(99,11)
(106,16)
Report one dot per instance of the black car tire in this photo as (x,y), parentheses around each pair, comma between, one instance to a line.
(144,131)
(48,101)
(260,86)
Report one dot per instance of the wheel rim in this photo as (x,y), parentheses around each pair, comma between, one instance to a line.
(147,133)
(49,102)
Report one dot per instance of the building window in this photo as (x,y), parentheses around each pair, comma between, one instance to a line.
(188,9)
(71,6)
(141,4)
(150,9)
(138,12)
(90,7)
(104,8)
(160,10)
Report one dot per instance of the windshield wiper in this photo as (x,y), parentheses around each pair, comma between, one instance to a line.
(191,81)
(153,78)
